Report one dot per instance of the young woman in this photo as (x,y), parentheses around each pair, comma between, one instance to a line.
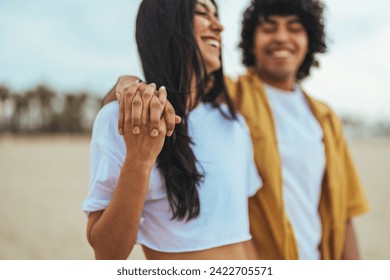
(182,197)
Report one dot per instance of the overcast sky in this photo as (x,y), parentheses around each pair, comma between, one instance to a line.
(85,45)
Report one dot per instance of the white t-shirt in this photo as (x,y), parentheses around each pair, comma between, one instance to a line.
(223,149)
(303,165)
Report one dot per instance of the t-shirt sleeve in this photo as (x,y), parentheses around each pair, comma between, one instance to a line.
(107,153)
(357,200)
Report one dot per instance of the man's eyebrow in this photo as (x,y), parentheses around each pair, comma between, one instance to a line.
(263,19)
(295,20)
(268,19)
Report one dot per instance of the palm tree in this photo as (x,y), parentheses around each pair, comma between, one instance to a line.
(20,112)
(45,96)
(73,112)
(4,94)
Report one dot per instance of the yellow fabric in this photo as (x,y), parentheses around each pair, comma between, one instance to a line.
(342,193)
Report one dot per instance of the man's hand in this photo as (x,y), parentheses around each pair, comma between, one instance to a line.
(156,103)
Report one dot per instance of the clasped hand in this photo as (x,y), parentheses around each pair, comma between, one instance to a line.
(145,118)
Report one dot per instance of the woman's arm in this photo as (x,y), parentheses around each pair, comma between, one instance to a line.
(112,232)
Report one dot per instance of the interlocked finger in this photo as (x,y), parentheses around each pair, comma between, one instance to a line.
(125,100)
(136,111)
(147,95)
(156,110)
(121,99)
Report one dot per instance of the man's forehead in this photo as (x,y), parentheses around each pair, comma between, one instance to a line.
(276,17)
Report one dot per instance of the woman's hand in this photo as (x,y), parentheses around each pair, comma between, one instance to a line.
(141,122)
(171,119)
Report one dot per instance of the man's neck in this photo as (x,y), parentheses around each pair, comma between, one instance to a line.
(285,84)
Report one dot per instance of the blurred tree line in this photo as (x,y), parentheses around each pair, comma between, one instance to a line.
(41,110)
(357,127)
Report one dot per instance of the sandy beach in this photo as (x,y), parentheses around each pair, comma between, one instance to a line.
(43,181)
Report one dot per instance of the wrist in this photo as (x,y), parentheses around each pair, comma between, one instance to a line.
(139,166)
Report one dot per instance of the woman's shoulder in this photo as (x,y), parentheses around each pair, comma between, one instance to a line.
(223,117)
(108,112)
(239,118)
(107,115)
(105,127)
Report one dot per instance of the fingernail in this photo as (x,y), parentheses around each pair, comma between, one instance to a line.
(162,88)
(154,133)
(118,95)
(120,131)
(153,84)
(136,130)
(169,133)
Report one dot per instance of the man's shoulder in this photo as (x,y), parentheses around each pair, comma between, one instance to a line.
(320,105)
(243,83)
(324,113)
(230,85)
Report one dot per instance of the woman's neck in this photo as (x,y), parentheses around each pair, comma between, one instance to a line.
(192,101)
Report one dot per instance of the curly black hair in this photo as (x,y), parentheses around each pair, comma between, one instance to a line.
(310,13)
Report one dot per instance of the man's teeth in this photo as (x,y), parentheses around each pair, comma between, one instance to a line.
(281,54)
(214,43)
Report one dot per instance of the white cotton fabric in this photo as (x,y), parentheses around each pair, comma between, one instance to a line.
(303,165)
(223,149)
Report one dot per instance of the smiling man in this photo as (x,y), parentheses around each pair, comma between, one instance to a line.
(311,190)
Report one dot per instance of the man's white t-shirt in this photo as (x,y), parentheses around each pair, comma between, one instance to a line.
(223,149)
(302,154)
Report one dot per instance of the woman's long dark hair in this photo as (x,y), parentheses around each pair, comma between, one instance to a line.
(171,57)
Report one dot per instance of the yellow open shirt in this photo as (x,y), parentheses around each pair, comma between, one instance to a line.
(342,194)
